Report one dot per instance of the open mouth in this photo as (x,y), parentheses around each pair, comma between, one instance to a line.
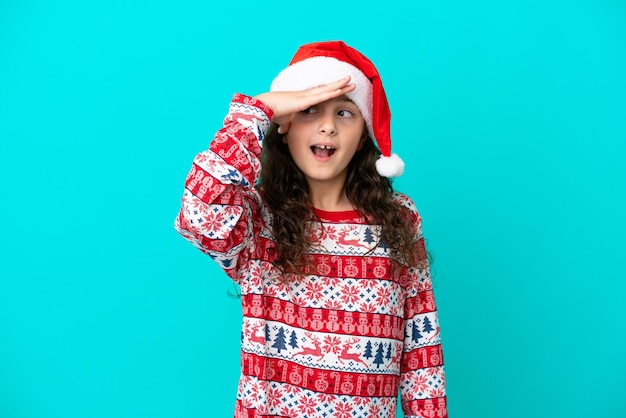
(323,151)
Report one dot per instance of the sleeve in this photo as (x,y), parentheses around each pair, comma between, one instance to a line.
(219,203)
(422,378)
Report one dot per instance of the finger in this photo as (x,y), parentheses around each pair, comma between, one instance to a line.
(283,124)
(343,81)
(312,98)
(283,128)
(339,84)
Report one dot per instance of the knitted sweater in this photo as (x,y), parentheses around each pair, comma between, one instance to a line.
(339,341)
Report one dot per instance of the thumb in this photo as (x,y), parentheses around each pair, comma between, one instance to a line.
(283,124)
(284,128)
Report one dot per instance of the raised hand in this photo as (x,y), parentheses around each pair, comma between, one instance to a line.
(285,103)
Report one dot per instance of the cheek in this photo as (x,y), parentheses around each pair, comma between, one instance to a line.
(295,146)
(297,132)
(361,143)
(289,146)
(356,129)
(362,135)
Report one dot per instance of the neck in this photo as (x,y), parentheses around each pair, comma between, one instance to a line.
(329,197)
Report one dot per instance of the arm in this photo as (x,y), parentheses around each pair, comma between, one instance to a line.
(219,203)
(422,379)
(219,200)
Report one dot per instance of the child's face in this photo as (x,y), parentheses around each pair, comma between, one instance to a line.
(323,139)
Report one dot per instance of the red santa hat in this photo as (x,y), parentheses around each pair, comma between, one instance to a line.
(324,62)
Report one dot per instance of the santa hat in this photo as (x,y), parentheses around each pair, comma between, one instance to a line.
(325,62)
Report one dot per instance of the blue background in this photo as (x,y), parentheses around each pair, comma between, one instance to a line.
(510,116)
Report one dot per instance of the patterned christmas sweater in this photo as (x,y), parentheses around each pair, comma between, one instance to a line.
(339,341)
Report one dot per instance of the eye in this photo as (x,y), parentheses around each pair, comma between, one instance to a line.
(309,110)
(346,113)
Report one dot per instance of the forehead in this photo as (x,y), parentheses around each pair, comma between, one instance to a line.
(341,100)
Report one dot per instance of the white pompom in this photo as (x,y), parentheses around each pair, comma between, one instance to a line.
(391,166)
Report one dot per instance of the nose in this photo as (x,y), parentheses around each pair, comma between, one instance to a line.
(327,125)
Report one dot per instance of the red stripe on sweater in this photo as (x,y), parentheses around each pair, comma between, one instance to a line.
(323,320)
(324,381)
(420,358)
(422,303)
(435,407)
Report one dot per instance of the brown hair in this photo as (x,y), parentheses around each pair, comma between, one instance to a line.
(286,192)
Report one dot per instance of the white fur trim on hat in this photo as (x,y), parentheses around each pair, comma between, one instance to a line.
(315,71)
(391,166)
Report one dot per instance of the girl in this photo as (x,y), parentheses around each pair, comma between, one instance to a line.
(338,307)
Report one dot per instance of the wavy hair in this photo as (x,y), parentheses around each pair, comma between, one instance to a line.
(286,192)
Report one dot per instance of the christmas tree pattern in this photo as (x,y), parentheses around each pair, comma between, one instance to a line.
(368,350)
(279,342)
(378,360)
(267,334)
(427,325)
(369,236)
(293,341)
(415,332)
